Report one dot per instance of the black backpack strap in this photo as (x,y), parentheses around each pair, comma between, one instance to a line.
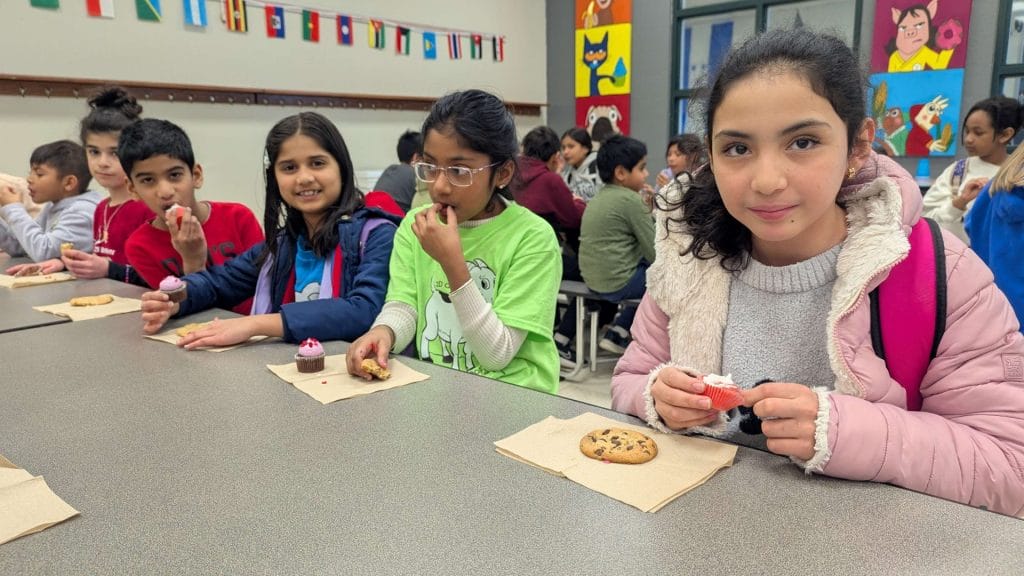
(940,284)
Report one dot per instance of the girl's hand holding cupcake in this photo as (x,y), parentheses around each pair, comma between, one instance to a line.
(374,344)
(788,412)
(678,399)
(157,308)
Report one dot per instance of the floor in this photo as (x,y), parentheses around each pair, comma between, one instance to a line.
(594,389)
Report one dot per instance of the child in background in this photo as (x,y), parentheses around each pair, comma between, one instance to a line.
(617,235)
(538,187)
(119,215)
(58,175)
(398,180)
(684,153)
(989,127)
(474,276)
(580,172)
(996,227)
(765,262)
(326,272)
(162,172)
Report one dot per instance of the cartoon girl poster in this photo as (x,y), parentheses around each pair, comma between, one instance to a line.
(916,35)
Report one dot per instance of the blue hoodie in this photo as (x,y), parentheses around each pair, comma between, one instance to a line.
(364,279)
(996,226)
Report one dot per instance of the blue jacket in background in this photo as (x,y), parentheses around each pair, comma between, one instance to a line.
(364,282)
(995,225)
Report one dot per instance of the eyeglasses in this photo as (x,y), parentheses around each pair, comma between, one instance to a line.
(456,175)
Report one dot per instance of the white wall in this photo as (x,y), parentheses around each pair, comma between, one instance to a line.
(228,139)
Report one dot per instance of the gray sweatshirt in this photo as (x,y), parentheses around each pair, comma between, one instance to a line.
(69,220)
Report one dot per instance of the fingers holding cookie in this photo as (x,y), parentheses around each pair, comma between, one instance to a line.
(371,367)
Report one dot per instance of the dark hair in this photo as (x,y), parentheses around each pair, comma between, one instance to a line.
(1003,113)
(581,136)
(67,158)
(618,151)
(602,130)
(410,143)
(151,137)
(832,70)
(912,11)
(541,143)
(481,122)
(691,145)
(110,111)
(278,217)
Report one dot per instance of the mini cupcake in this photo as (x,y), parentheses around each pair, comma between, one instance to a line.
(723,392)
(175,289)
(310,357)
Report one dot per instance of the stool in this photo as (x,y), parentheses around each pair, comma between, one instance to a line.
(580,291)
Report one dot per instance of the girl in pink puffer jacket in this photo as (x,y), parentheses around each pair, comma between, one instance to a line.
(764,264)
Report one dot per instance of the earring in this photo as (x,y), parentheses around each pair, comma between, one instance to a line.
(850,173)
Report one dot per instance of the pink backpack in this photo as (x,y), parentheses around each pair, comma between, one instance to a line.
(908,310)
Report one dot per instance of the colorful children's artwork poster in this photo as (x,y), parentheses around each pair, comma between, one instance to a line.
(916,114)
(918,35)
(594,13)
(603,114)
(603,63)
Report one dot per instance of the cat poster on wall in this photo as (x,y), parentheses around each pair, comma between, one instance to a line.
(920,35)
(603,115)
(603,60)
(916,114)
(594,13)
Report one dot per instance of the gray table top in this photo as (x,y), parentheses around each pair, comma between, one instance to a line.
(16,304)
(205,463)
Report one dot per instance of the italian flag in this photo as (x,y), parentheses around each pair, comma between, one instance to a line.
(310,26)
(401,40)
(375,29)
(100,8)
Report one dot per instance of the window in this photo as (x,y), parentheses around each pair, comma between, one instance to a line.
(705,30)
(1008,76)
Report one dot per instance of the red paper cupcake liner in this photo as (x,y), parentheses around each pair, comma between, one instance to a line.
(723,398)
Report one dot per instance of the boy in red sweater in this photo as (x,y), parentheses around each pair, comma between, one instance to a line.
(186,235)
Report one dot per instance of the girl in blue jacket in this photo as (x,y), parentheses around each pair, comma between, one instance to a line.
(325,273)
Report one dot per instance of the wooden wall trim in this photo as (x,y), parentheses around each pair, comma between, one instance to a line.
(48,87)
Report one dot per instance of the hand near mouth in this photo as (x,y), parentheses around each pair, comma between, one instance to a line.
(441,241)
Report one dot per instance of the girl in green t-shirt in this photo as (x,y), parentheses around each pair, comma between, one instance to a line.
(474,276)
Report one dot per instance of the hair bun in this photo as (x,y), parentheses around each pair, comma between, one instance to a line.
(116,98)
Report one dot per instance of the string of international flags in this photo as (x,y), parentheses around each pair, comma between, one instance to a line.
(236,16)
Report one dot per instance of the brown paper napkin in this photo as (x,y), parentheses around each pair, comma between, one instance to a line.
(8,281)
(120,305)
(682,463)
(27,505)
(171,337)
(333,383)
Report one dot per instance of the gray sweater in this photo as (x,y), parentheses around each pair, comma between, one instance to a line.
(776,326)
(69,220)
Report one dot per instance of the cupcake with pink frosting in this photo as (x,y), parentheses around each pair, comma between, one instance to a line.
(174,287)
(310,357)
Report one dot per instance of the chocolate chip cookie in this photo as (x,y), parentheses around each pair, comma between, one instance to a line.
(619,446)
